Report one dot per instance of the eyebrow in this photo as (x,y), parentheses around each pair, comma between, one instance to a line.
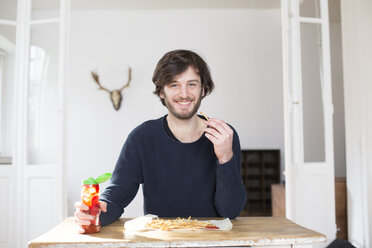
(188,81)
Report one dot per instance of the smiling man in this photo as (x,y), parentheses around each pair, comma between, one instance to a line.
(187,165)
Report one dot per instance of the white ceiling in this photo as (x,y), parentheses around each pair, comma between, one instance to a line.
(157,4)
(47,5)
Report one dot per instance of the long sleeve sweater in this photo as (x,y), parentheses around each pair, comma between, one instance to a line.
(178,179)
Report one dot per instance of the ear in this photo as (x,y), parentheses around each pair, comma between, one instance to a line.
(161,93)
(203,93)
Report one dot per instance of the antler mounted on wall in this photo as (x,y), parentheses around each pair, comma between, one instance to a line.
(115,95)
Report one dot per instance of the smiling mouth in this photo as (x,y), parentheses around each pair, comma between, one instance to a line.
(184,102)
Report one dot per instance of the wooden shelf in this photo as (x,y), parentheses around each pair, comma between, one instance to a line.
(260,169)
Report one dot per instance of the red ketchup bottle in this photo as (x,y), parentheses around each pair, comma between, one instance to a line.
(90,197)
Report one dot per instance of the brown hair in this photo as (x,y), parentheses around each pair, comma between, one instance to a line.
(176,62)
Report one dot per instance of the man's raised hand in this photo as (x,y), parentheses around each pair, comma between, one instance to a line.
(221,135)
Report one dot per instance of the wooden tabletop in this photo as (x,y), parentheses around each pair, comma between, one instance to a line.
(246,231)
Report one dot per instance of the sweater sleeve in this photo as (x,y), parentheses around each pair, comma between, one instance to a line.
(230,196)
(124,183)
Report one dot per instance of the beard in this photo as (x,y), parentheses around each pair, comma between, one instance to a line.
(183,115)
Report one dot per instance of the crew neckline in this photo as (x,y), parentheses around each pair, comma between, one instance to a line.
(171,136)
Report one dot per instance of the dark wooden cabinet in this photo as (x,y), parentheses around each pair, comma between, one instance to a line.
(260,169)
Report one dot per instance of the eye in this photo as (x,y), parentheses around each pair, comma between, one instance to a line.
(192,84)
(173,85)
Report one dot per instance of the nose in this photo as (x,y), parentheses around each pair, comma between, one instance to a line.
(184,91)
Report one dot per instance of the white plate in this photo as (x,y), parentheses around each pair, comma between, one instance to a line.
(138,224)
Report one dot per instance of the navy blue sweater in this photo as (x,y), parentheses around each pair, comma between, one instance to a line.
(178,179)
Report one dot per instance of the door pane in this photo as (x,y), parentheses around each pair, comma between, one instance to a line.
(7,58)
(8,10)
(42,9)
(8,34)
(43,97)
(313,119)
(309,8)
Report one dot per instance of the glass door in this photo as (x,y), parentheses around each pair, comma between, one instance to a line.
(38,194)
(309,162)
(8,184)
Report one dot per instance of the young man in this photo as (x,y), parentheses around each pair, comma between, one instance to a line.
(187,165)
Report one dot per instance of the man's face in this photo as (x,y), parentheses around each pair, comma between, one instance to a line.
(183,94)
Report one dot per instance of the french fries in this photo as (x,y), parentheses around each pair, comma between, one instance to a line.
(169,224)
(204,116)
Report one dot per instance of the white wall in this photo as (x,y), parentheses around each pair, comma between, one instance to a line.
(357,60)
(245,61)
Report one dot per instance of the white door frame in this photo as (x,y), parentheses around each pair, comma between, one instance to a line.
(301,195)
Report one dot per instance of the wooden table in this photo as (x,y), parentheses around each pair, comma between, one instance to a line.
(247,231)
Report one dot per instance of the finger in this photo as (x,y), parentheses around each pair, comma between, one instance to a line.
(82,222)
(213,139)
(103,206)
(214,133)
(80,229)
(83,216)
(224,128)
(219,125)
(77,205)
(214,126)
(81,206)
(224,125)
